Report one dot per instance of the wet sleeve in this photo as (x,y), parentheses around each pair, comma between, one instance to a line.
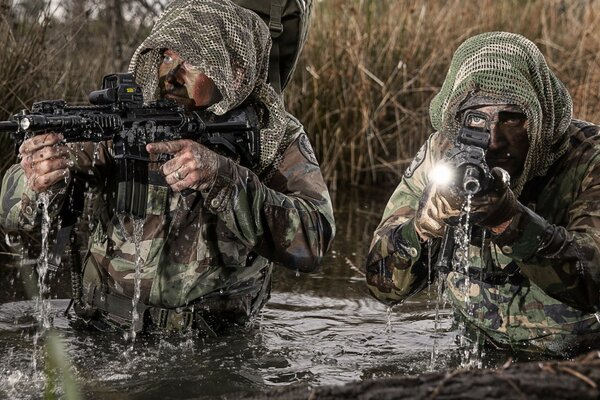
(290,220)
(564,261)
(21,208)
(397,263)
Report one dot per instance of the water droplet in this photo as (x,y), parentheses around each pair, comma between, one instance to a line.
(9,241)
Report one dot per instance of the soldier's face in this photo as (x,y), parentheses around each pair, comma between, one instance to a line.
(509,143)
(186,84)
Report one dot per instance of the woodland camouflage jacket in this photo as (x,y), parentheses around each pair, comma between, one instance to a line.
(535,286)
(214,244)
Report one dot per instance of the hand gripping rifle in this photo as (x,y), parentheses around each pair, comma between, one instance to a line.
(467,158)
(118,113)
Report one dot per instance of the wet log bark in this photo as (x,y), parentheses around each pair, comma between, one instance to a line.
(578,379)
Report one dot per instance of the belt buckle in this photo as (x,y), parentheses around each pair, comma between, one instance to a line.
(175,319)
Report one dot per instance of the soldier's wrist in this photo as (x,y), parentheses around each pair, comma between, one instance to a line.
(407,241)
(218,193)
(498,229)
(521,239)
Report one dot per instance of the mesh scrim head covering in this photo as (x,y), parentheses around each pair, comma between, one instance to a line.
(230,45)
(508,68)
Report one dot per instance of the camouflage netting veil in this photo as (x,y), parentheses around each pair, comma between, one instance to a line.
(230,45)
(509,68)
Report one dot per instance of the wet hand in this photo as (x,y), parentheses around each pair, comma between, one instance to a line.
(45,161)
(193,166)
(496,207)
(440,205)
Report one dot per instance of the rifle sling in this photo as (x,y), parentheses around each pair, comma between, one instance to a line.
(276,28)
(55,255)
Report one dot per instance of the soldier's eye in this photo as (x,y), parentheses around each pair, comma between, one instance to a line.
(513,119)
(474,121)
(167,59)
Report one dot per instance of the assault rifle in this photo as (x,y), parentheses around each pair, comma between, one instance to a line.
(467,158)
(118,113)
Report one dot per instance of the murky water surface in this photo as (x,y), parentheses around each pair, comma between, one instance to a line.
(319,329)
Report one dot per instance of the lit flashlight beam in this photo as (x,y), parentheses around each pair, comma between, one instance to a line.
(441,174)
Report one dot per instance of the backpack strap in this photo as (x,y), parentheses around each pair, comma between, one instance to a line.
(276,28)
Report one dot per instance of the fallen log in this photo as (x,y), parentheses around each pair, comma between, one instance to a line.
(577,379)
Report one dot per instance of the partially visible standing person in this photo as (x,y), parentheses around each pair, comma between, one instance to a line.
(213,227)
(534,255)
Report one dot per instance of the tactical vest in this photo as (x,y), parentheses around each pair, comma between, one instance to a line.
(288,21)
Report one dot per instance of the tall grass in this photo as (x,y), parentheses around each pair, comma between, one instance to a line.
(53,51)
(365,79)
(370,69)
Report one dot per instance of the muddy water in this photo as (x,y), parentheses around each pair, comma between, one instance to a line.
(318,329)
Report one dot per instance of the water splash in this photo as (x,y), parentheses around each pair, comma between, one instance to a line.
(138,230)
(96,153)
(42,304)
(389,312)
(436,324)
(471,349)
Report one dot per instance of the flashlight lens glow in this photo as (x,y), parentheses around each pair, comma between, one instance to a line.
(25,123)
(441,174)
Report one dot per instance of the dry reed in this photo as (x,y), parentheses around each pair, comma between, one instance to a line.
(370,69)
(365,79)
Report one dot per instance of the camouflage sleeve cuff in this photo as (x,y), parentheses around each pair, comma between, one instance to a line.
(407,242)
(218,197)
(29,206)
(525,235)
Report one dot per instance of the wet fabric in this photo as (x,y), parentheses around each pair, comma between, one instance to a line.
(542,275)
(203,247)
(508,68)
(213,244)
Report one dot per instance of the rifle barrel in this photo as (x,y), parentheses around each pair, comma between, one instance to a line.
(8,126)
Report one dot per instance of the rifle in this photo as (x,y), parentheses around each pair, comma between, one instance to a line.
(118,113)
(468,158)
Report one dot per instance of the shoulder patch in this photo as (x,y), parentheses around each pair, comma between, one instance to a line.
(307,150)
(418,160)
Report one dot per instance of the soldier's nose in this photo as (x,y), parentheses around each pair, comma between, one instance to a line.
(173,75)
(496,138)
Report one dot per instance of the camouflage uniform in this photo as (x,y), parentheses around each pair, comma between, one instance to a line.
(214,247)
(535,286)
(212,250)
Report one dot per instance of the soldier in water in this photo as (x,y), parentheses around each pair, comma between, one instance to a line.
(533,275)
(213,227)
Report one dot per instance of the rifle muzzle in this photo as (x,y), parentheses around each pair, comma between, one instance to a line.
(471,180)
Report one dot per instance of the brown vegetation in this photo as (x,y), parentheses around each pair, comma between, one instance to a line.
(370,69)
(366,77)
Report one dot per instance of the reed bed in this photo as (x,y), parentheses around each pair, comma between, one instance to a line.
(370,69)
(364,81)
